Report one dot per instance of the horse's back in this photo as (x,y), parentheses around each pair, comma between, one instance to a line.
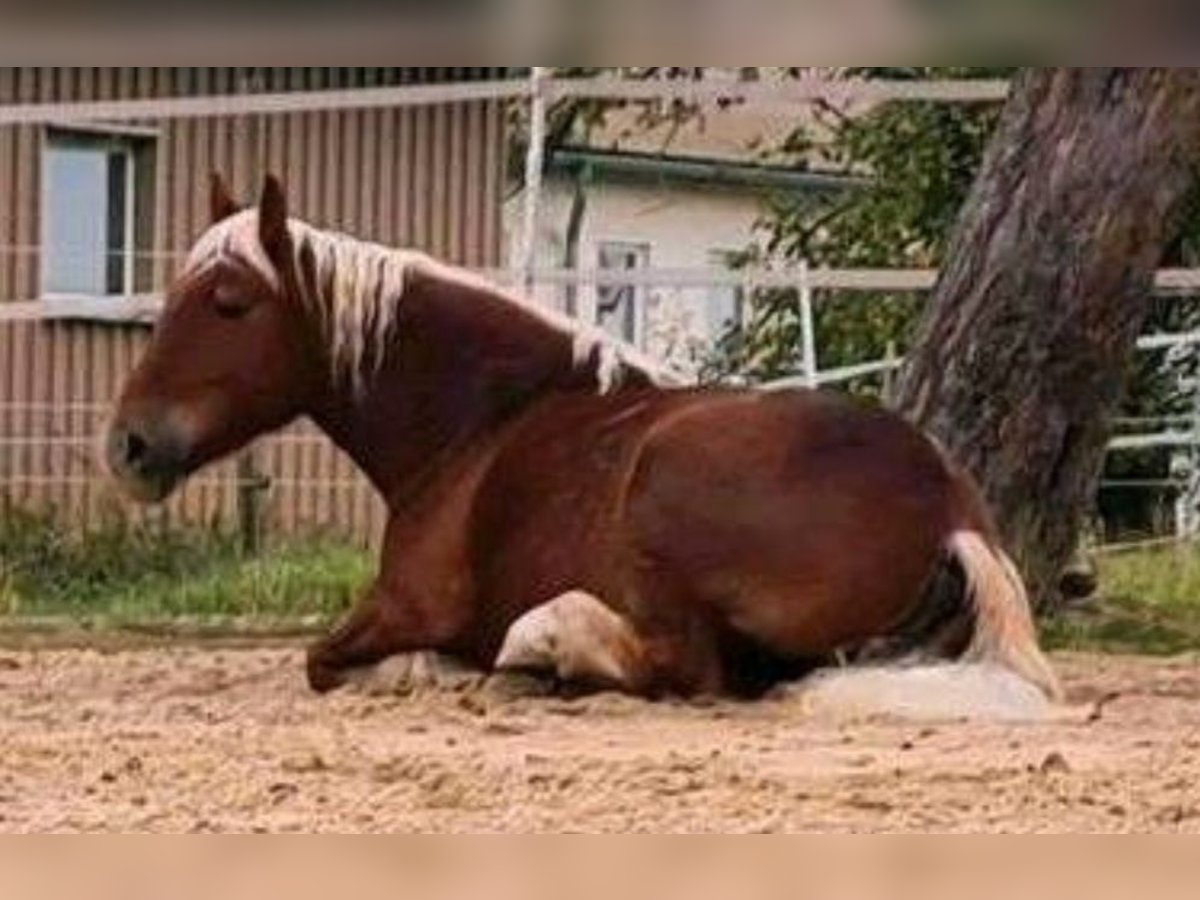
(804,521)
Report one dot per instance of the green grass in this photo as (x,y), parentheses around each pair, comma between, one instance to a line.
(1149,603)
(139,575)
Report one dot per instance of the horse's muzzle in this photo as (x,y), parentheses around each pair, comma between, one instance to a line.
(147,460)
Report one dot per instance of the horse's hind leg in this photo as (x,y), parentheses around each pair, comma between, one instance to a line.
(581,640)
(578,639)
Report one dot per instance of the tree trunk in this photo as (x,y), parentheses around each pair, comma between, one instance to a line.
(1022,357)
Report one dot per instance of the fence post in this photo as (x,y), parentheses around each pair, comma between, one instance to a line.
(534,164)
(808,332)
(250,487)
(1186,517)
(889,374)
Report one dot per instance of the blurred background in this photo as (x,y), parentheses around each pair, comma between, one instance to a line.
(773,226)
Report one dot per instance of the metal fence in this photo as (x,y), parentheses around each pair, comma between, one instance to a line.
(668,302)
(297,482)
(293,483)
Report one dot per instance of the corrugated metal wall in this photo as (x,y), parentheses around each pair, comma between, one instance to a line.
(428,178)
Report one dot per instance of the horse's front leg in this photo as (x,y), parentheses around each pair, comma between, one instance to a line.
(381,627)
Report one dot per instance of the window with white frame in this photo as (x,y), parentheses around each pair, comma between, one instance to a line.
(725,303)
(96,205)
(620,308)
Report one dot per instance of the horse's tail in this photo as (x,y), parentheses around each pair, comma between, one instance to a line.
(929,692)
(1002,675)
(1005,634)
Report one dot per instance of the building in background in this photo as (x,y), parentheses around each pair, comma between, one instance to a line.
(94,215)
(670,198)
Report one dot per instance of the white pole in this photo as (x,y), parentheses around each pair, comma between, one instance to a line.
(1182,525)
(889,374)
(1190,501)
(534,164)
(808,334)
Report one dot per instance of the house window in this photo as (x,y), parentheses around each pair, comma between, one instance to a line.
(96,208)
(725,304)
(620,308)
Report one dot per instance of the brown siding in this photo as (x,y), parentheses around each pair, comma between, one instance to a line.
(353,170)
(427,178)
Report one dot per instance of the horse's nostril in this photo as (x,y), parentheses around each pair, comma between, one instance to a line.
(136,448)
(144,460)
(129,450)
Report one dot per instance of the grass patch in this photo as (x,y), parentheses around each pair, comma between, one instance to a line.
(138,575)
(130,575)
(1149,603)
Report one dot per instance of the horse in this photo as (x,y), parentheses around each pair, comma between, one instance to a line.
(554,504)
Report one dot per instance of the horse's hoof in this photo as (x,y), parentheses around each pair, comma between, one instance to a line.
(517,685)
(407,673)
(322,678)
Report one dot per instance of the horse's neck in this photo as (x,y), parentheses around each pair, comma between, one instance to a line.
(460,362)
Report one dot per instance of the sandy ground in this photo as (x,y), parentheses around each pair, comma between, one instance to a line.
(204,740)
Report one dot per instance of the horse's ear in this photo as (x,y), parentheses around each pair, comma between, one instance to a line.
(273,219)
(222,205)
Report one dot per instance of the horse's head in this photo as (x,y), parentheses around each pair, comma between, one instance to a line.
(231,356)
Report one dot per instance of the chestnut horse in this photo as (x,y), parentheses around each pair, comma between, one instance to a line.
(552,507)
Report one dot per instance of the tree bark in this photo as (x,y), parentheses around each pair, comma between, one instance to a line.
(1023,354)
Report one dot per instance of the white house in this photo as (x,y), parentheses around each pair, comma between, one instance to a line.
(683,200)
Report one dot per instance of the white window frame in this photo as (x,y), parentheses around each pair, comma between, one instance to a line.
(718,258)
(129,136)
(645,251)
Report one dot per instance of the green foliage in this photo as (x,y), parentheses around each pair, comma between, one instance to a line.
(134,574)
(1150,604)
(916,162)
(131,575)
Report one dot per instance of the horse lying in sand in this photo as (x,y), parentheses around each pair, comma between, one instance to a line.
(551,506)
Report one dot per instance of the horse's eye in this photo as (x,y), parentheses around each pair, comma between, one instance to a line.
(230,304)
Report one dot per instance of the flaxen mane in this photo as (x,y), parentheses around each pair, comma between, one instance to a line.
(358,286)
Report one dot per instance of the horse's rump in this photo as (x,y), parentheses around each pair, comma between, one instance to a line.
(784,530)
(806,523)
